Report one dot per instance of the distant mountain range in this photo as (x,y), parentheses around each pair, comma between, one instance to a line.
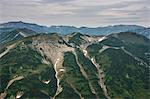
(70,29)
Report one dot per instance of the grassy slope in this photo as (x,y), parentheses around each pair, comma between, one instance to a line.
(74,77)
(24,61)
(124,77)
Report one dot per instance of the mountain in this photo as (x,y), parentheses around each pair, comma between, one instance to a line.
(20,25)
(54,66)
(109,29)
(70,29)
(145,32)
(15,35)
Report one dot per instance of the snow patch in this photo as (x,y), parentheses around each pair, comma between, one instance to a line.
(102,38)
(59,88)
(23,34)
(85,52)
(15,36)
(61,70)
(19,94)
(46,82)
(7,50)
(104,48)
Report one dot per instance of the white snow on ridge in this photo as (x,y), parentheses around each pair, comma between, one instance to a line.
(7,50)
(15,36)
(102,38)
(23,34)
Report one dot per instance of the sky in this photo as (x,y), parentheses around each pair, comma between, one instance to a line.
(76,12)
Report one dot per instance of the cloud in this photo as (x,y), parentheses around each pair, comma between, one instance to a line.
(55,1)
(76,12)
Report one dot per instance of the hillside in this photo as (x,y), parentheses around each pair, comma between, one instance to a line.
(76,65)
(15,35)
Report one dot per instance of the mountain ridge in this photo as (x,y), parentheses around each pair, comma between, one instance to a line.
(70,29)
(79,64)
(75,65)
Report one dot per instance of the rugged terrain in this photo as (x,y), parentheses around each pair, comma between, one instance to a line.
(76,66)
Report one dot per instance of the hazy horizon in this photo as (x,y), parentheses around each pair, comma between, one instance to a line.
(79,13)
(73,25)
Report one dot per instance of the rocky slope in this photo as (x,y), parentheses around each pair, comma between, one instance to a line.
(77,66)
